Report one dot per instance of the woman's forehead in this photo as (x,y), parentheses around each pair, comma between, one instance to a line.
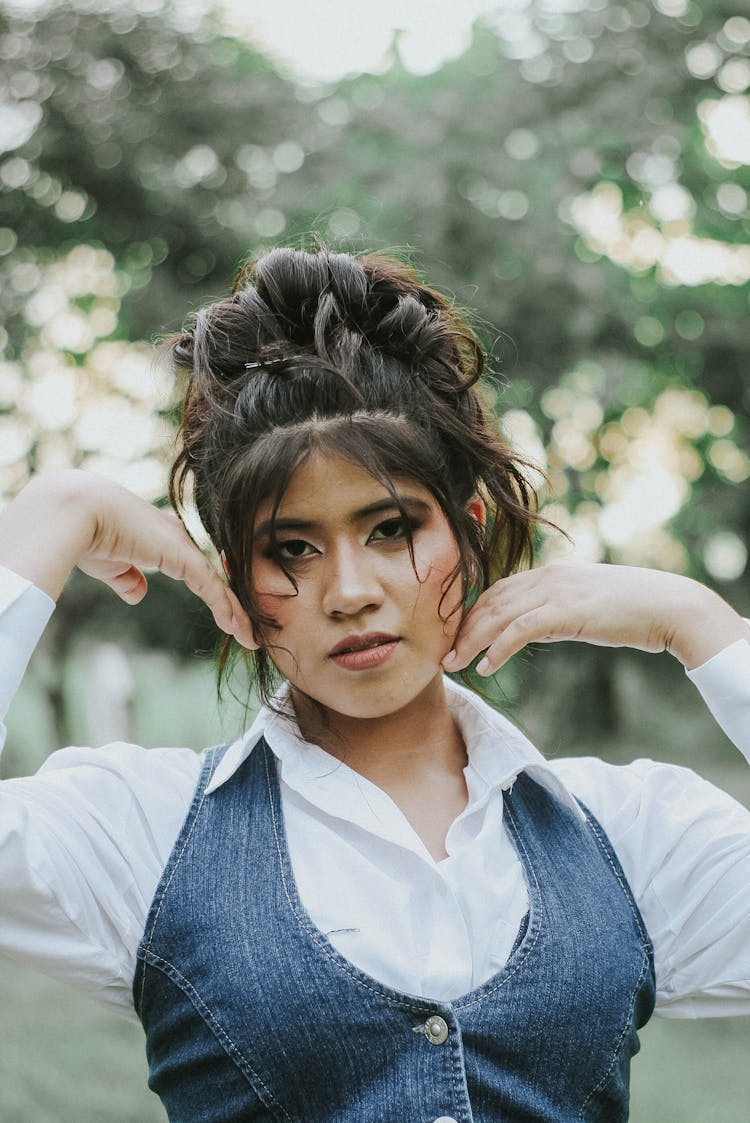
(325,485)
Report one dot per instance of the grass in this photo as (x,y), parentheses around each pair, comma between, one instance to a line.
(63,1059)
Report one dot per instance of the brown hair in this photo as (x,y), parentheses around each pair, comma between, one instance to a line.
(354,356)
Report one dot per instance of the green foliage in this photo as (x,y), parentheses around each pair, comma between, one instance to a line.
(151,128)
(165,153)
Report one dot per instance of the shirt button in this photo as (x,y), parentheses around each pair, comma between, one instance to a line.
(436,1032)
(446,1119)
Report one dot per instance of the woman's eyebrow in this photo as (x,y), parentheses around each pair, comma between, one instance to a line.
(412,502)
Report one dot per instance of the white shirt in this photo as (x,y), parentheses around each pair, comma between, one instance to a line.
(83,844)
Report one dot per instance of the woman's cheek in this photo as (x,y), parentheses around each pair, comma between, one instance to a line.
(276,607)
(277,602)
(435,569)
(271,584)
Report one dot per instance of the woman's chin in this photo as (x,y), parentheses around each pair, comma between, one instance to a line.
(365,702)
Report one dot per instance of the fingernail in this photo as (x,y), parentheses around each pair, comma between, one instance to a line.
(449,658)
(483,667)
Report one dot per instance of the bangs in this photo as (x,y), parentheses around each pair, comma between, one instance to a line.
(385,445)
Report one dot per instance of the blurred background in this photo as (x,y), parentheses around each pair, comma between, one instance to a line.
(575,172)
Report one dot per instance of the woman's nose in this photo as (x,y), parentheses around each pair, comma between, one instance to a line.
(351,583)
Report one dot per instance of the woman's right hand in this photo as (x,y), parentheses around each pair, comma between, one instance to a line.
(73,517)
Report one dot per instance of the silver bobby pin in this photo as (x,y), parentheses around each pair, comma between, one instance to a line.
(270,362)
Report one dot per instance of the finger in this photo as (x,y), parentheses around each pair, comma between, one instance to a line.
(534,626)
(474,633)
(244,632)
(130,585)
(202,578)
(485,622)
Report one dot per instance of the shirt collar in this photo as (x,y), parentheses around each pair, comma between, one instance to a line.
(498,751)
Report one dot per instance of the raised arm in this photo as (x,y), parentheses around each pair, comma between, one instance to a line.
(606,605)
(74,518)
(84,841)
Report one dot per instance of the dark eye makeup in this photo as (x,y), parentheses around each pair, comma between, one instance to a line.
(395,528)
(296,549)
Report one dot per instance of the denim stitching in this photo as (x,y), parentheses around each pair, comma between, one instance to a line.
(350,970)
(538,894)
(458,1069)
(645,944)
(645,941)
(177,861)
(158,963)
(395,1000)
(620,1039)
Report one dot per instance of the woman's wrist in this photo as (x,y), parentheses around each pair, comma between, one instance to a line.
(702,626)
(48,527)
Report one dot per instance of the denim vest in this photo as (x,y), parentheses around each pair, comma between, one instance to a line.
(250,1013)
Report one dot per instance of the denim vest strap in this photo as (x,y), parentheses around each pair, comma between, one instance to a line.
(250,1013)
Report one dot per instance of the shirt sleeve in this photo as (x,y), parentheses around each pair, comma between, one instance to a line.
(84,842)
(684,846)
(83,845)
(724,682)
(24,614)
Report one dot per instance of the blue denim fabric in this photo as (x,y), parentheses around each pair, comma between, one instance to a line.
(251,1014)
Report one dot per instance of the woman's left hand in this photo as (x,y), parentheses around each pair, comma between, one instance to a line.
(607,605)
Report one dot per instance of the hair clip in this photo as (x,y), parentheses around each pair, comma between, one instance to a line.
(270,362)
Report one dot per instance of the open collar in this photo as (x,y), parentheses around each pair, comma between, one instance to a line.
(497,750)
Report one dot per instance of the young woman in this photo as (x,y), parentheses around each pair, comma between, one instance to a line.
(381,903)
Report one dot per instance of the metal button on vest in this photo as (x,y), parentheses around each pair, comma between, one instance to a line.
(436,1031)
(445,1119)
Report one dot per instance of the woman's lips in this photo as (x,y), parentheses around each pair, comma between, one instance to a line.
(364,658)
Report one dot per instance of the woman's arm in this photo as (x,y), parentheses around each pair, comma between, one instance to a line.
(684,844)
(607,605)
(74,518)
(83,842)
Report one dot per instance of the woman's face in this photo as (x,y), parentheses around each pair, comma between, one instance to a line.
(363,635)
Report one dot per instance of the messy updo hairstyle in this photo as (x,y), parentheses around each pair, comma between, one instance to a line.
(349,355)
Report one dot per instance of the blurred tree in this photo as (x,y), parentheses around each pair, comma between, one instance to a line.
(139,148)
(564,167)
(144,132)
(579,177)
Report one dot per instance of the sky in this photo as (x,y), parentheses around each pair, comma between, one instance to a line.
(329,39)
(326,40)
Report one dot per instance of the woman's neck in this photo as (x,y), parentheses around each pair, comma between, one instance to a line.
(417,756)
(419,740)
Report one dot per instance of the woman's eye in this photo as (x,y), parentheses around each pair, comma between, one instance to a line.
(393,529)
(294,549)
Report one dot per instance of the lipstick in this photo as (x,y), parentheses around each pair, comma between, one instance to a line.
(361,652)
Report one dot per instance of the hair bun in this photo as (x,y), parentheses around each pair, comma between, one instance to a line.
(336,311)
(326,301)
